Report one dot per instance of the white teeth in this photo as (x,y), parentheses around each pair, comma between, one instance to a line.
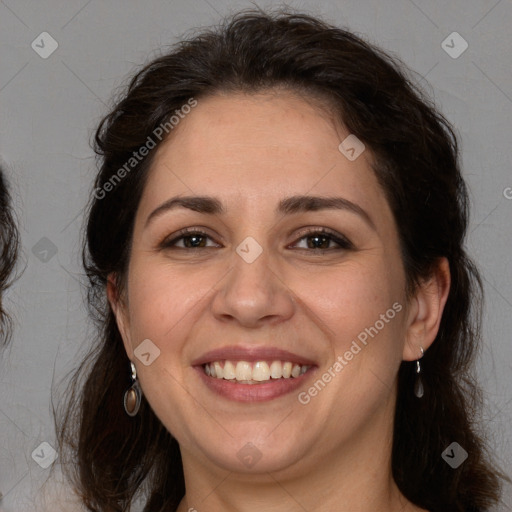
(229,370)
(287,370)
(260,371)
(295,370)
(218,370)
(243,371)
(252,373)
(276,370)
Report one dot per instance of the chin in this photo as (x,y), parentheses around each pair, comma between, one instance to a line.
(249,458)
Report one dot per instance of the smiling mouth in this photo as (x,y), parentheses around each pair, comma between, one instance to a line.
(256,372)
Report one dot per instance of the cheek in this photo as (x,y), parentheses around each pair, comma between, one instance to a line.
(364,312)
(353,300)
(163,302)
(163,307)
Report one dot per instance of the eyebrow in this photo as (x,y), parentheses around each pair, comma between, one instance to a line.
(288,206)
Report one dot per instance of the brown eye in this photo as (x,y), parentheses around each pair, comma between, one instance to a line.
(192,239)
(320,240)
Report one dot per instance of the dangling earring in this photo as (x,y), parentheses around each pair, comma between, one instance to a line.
(133,395)
(418,385)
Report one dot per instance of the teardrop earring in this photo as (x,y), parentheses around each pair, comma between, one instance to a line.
(418,385)
(133,395)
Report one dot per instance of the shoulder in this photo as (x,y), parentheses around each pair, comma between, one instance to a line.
(57,495)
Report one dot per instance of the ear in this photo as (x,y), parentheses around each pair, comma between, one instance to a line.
(426,310)
(120,309)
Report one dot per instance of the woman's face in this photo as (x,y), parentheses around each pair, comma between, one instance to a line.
(261,285)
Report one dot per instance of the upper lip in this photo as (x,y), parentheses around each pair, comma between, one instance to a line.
(251,354)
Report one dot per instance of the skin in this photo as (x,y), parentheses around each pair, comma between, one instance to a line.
(334,453)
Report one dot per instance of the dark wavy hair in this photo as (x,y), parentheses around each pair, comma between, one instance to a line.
(9,248)
(115,458)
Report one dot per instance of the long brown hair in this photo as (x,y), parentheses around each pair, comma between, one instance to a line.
(114,457)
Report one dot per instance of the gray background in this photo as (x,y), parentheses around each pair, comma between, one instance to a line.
(50,107)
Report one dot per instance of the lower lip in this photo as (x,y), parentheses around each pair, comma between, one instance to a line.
(253,392)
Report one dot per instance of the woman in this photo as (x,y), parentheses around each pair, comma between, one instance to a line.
(287,315)
(9,245)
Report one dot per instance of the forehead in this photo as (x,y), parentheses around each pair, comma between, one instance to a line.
(258,147)
(276,121)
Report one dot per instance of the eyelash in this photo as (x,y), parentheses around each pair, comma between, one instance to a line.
(344,243)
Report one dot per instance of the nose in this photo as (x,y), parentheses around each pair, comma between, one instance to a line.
(254,293)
